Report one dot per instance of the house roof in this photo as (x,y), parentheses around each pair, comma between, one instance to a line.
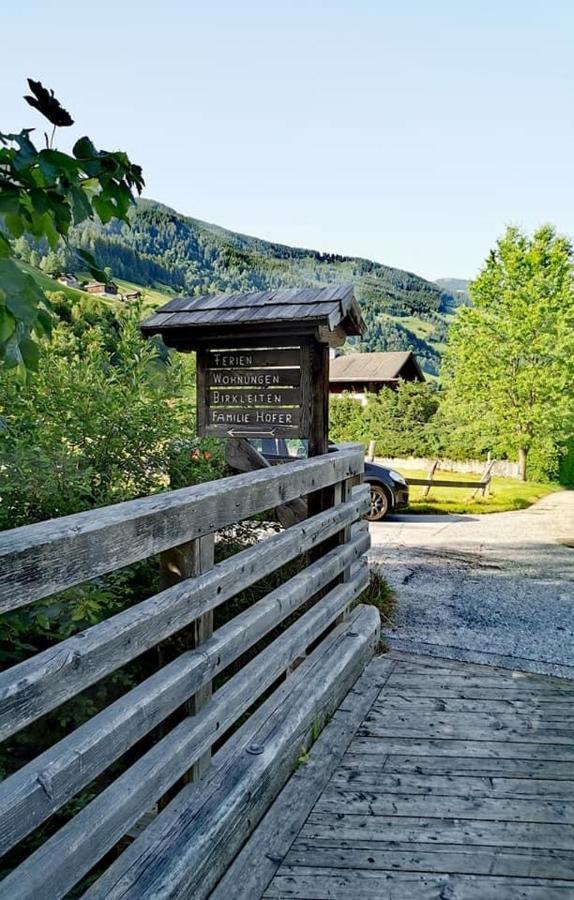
(331,307)
(366,367)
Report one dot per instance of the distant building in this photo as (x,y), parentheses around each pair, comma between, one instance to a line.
(367,373)
(69,280)
(131,295)
(101,288)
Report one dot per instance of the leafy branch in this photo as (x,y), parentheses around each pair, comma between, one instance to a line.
(43,193)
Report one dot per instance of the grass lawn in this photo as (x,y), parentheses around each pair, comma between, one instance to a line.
(505,494)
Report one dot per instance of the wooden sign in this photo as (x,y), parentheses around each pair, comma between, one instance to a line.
(243,393)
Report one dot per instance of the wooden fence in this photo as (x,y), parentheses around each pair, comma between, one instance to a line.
(260,718)
(481,485)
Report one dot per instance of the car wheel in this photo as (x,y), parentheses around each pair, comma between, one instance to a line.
(379,503)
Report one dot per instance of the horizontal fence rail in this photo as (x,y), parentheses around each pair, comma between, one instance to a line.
(249,654)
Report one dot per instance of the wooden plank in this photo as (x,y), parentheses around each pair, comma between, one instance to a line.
(548,710)
(251,399)
(253,359)
(254,867)
(469,726)
(513,768)
(412,781)
(441,482)
(201,831)
(43,682)
(336,801)
(70,853)
(253,378)
(484,749)
(268,421)
(526,862)
(426,681)
(375,830)
(318,884)
(422,663)
(40,788)
(39,560)
(503,692)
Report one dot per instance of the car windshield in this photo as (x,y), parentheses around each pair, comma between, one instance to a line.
(284,448)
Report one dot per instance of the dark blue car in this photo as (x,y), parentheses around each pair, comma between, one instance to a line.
(389,490)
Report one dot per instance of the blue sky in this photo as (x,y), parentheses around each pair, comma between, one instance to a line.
(410,133)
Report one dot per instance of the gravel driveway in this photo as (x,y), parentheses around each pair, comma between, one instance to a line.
(495,589)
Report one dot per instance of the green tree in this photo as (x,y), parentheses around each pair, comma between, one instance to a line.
(22,249)
(508,372)
(401,420)
(52,263)
(42,193)
(66,442)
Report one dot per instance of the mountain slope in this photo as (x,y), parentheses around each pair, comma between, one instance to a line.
(457,287)
(183,255)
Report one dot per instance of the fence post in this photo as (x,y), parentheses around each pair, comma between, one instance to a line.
(371,451)
(177,564)
(486,478)
(431,472)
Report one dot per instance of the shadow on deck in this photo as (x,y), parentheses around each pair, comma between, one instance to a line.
(434,780)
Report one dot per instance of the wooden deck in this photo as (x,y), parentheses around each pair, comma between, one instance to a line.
(435,780)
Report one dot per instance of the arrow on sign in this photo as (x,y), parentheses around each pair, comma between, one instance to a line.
(236,432)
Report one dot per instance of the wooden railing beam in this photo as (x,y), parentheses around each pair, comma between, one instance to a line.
(38,685)
(42,787)
(43,559)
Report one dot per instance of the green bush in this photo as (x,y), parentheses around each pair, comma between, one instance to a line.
(401,421)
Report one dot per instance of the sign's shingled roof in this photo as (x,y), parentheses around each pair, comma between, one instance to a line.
(330,306)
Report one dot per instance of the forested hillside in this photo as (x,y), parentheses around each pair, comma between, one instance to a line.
(165,251)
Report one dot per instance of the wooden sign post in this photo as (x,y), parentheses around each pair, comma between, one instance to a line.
(262,358)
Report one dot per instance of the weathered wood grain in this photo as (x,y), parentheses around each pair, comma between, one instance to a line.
(269,421)
(186,850)
(451,859)
(38,685)
(39,560)
(255,865)
(63,860)
(470,726)
(252,359)
(253,378)
(547,709)
(329,884)
(371,829)
(514,768)
(40,788)
(363,802)
(450,682)
(482,749)
(358,777)
(459,784)
(251,398)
